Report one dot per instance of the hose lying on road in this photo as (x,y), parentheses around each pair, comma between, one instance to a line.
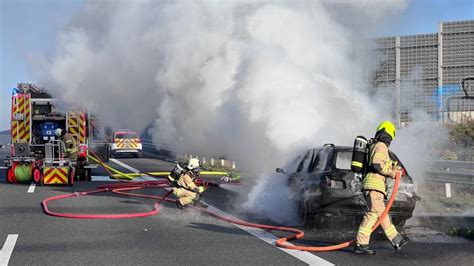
(125,187)
(131,176)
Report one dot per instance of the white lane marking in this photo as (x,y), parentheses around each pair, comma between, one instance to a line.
(7,249)
(32,187)
(102,178)
(261,234)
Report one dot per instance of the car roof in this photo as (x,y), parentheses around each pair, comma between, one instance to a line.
(126,132)
(332,146)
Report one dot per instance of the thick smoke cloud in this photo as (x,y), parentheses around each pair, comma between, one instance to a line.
(252,81)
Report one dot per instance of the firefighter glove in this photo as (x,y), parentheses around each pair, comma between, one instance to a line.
(201,189)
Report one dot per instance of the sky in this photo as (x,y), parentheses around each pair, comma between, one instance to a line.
(29,28)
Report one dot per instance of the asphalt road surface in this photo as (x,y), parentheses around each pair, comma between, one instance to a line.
(174,236)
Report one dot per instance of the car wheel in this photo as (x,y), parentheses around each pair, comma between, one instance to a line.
(87,175)
(71,175)
(308,220)
(302,213)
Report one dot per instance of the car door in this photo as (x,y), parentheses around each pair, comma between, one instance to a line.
(342,178)
(341,186)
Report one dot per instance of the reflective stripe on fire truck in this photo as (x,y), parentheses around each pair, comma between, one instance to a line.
(55,175)
(82,127)
(72,122)
(20,130)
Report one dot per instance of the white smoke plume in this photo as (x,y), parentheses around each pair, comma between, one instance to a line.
(252,81)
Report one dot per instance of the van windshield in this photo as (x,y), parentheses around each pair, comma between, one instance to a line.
(127,135)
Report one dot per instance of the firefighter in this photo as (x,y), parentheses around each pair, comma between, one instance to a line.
(375,191)
(69,143)
(185,189)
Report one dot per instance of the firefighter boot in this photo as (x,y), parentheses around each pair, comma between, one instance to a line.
(179,205)
(399,241)
(363,249)
(198,203)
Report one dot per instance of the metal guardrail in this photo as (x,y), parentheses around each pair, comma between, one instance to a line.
(449,165)
(450,177)
(459,172)
(163,152)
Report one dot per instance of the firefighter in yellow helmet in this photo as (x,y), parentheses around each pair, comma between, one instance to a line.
(375,191)
(69,143)
(186,190)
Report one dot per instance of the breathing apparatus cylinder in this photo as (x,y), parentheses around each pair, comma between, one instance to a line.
(359,155)
(175,174)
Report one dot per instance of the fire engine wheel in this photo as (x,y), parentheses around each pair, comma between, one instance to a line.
(87,175)
(70,177)
(38,176)
(10,175)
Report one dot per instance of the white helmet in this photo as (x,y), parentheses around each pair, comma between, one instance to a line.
(193,163)
(58,132)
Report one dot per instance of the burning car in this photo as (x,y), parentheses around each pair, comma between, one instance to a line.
(327,191)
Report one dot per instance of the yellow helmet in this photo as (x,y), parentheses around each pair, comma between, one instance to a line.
(388,127)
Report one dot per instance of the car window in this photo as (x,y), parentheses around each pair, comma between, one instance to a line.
(343,160)
(319,161)
(303,164)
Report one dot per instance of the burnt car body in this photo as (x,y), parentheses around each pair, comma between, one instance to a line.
(328,192)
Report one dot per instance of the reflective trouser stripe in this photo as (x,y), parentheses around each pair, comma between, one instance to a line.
(365,230)
(372,216)
(390,231)
(357,164)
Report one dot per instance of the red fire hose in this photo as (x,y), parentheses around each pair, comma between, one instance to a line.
(122,188)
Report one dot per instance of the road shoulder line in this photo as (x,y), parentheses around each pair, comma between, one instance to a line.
(7,250)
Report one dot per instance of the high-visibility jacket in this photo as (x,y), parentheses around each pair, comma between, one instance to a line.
(380,167)
(70,144)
